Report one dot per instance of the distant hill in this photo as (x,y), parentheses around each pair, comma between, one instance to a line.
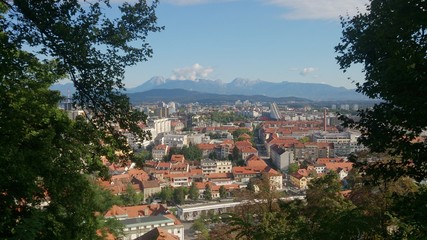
(65,89)
(186,96)
(240,86)
(313,91)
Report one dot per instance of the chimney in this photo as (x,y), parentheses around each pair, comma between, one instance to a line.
(324,120)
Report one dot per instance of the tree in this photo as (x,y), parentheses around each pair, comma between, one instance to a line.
(46,182)
(166,194)
(327,210)
(179,195)
(222,192)
(250,186)
(46,156)
(304,139)
(389,40)
(91,49)
(192,152)
(213,155)
(200,226)
(208,192)
(221,231)
(193,192)
(236,133)
(235,155)
(130,196)
(293,168)
(139,158)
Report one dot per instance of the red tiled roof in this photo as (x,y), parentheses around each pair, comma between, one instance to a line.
(218,175)
(115,211)
(343,165)
(163,165)
(297,176)
(138,174)
(157,234)
(228,141)
(196,171)
(271,171)
(256,163)
(160,147)
(177,158)
(206,146)
(179,175)
(326,160)
(151,184)
(244,143)
(245,136)
(247,149)
(202,185)
(303,172)
(137,211)
(245,170)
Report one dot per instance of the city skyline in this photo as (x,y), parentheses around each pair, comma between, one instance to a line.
(269,40)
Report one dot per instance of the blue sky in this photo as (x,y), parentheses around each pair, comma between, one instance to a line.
(270,40)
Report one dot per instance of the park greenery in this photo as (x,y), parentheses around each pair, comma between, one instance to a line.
(225,117)
(190,152)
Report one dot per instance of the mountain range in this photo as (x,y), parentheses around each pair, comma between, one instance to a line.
(186,96)
(240,86)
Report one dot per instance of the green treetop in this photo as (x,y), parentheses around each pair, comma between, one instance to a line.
(46,183)
(389,41)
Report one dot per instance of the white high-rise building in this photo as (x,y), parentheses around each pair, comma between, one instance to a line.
(274,112)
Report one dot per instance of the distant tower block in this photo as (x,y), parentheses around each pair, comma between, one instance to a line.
(274,112)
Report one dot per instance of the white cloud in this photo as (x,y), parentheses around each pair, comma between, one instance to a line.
(319,9)
(307,70)
(196,71)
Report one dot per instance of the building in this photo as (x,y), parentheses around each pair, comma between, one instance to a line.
(274,112)
(139,220)
(175,140)
(206,149)
(208,166)
(247,151)
(160,151)
(223,166)
(196,138)
(342,137)
(161,125)
(299,180)
(193,212)
(281,157)
(158,234)
(212,166)
(150,188)
(244,174)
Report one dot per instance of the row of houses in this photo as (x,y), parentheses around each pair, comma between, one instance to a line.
(222,149)
(217,171)
(180,173)
(287,142)
(303,176)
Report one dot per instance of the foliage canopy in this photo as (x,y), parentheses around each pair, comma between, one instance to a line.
(390,42)
(47,190)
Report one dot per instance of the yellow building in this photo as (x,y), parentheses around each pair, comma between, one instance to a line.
(299,181)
